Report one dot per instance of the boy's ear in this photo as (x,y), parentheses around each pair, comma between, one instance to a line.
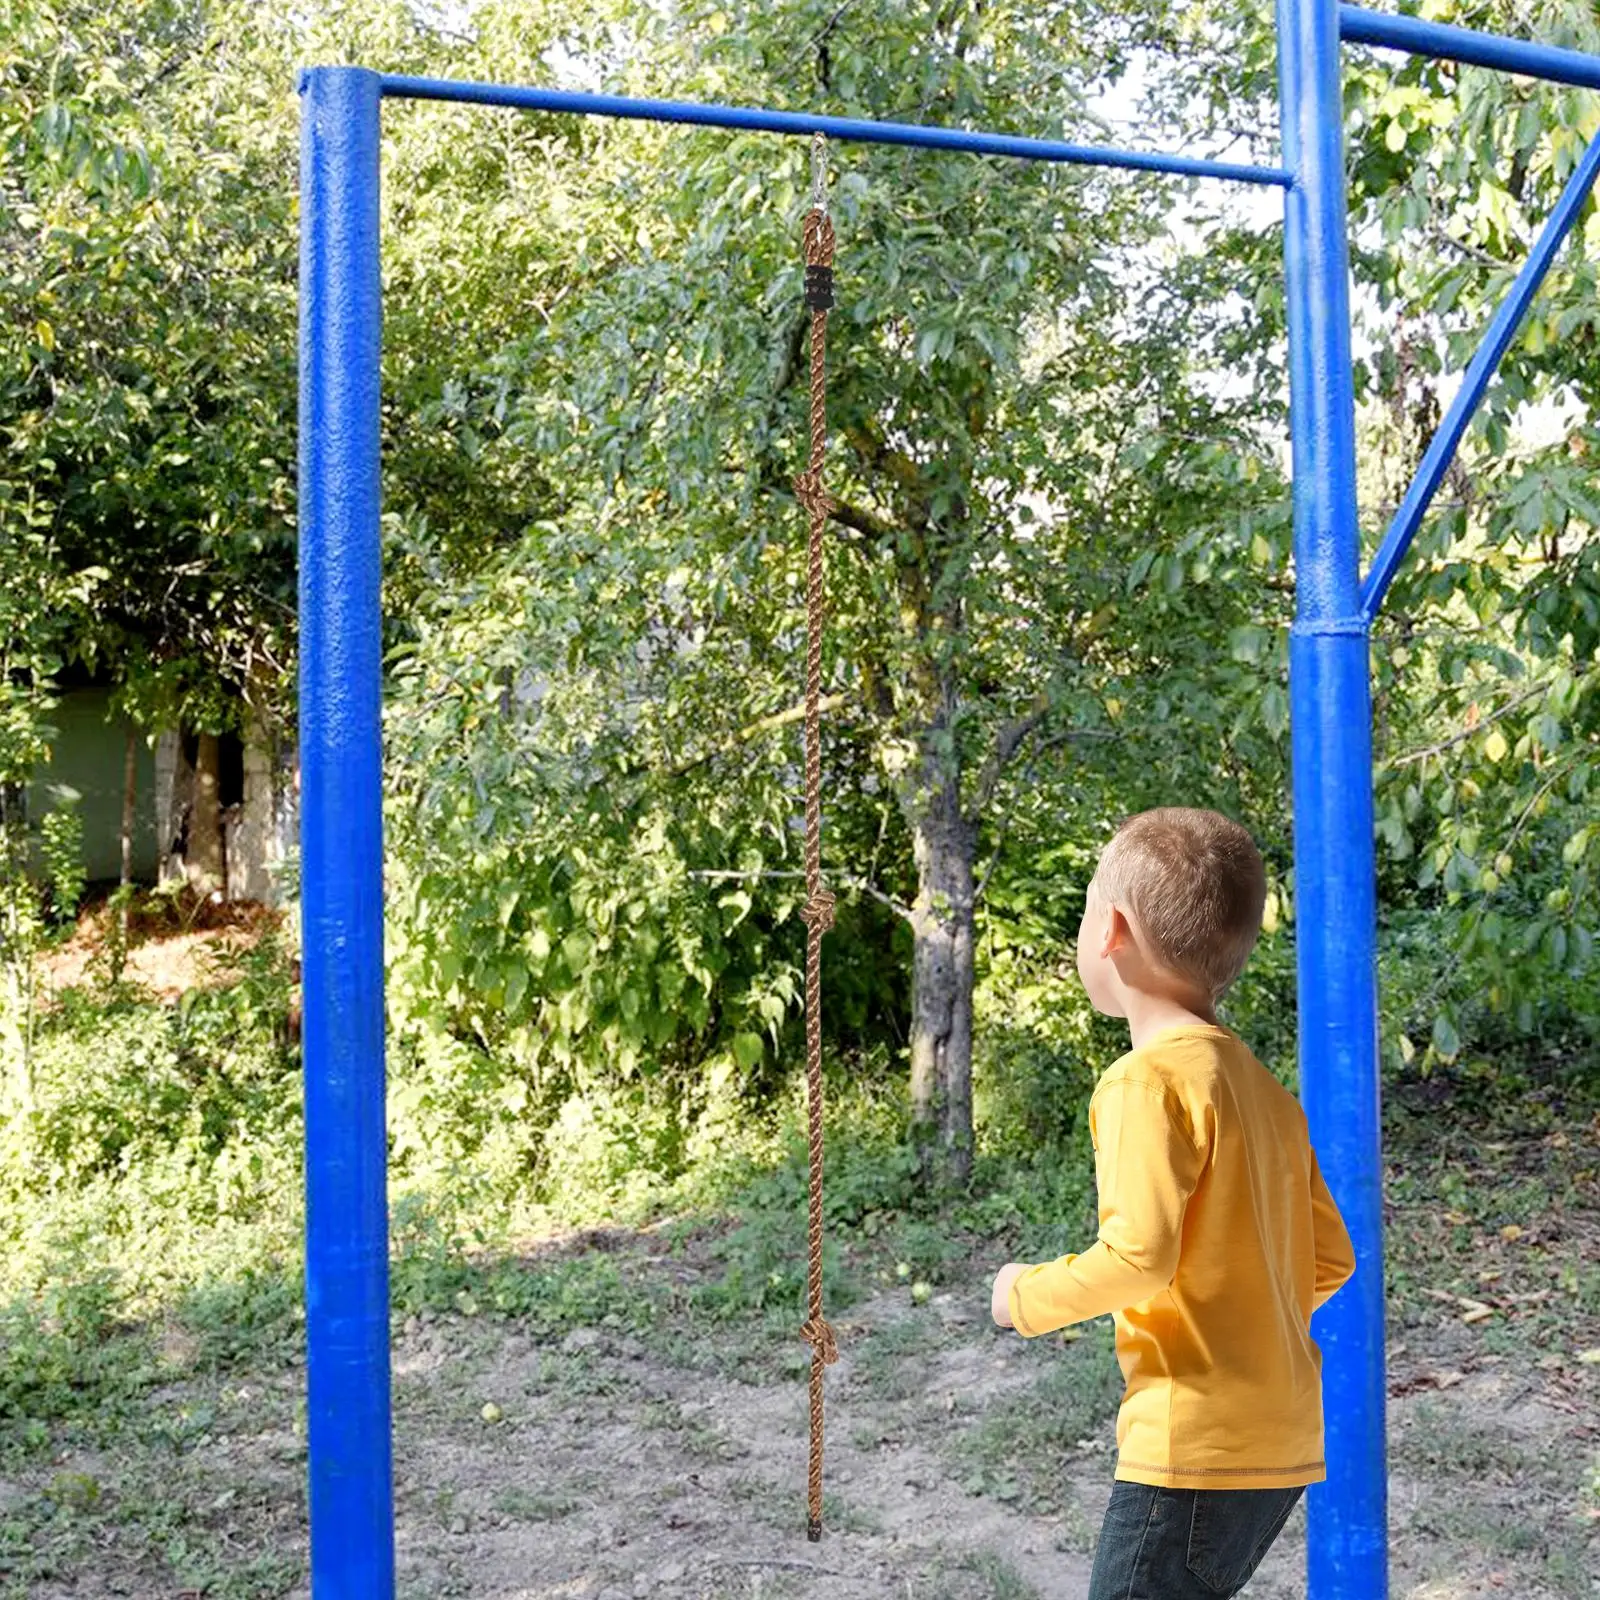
(1118,935)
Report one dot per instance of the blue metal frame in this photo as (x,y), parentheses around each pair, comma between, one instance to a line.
(347,1311)
(341,842)
(1444,42)
(1330,727)
(757,119)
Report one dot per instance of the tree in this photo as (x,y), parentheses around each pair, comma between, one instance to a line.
(1038,496)
(1485,656)
(147,351)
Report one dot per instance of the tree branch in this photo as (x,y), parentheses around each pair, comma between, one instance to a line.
(1483,722)
(862,522)
(820,36)
(777,719)
(179,58)
(1066,736)
(847,882)
(854,519)
(1007,742)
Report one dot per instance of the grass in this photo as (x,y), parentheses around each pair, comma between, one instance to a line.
(522,1505)
(1018,1451)
(1000,1579)
(1507,1495)
(167,1516)
(1525,1243)
(135,1300)
(891,1360)
(775,1510)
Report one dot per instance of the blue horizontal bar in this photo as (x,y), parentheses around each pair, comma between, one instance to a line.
(904,133)
(1551,62)
(1496,341)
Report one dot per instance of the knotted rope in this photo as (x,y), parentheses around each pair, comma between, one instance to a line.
(818,910)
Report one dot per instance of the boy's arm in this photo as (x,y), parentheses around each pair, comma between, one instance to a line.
(1146,1168)
(1336,1256)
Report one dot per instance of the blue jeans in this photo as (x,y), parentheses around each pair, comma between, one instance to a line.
(1185,1544)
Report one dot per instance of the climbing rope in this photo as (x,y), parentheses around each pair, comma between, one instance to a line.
(818,912)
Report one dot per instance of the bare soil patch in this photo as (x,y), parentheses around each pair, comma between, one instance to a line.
(177,941)
(618,1467)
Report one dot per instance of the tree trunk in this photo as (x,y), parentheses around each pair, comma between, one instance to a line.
(130,796)
(203,860)
(941,996)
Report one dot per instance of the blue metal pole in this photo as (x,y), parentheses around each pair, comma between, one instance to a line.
(1449,43)
(798,122)
(1496,341)
(347,1261)
(1331,741)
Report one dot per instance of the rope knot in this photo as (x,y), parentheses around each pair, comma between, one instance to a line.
(818,910)
(819,1335)
(809,492)
(817,235)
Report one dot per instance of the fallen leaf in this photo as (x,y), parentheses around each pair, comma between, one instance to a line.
(1425,1380)
(1456,1217)
(1511,1233)
(1590,1358)
(1476,1310)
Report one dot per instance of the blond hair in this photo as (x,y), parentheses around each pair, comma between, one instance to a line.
(1196,886)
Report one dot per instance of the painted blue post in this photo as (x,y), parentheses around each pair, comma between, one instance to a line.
(347,1257)
(1331,721)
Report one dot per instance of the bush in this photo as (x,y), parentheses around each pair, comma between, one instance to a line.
(126,1086)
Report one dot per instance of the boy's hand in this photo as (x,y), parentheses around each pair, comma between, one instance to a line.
(1000,1301)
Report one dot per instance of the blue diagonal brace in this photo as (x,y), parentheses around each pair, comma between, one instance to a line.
(1496,341)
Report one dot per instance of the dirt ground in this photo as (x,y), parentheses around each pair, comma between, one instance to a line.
(675,1465)
(178,941)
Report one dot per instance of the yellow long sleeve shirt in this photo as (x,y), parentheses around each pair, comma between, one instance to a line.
(1218,1238)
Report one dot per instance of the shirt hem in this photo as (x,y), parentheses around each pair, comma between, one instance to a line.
(1221,1477)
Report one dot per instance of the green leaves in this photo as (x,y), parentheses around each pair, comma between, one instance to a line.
(1446,1041)
(144,382)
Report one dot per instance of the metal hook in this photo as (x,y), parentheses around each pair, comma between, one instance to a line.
(819,172)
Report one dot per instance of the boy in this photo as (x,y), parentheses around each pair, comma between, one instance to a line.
(1218,1237)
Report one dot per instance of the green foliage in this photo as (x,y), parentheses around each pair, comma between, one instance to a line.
(140,1086)
(143,367)
(61,844)
(438,1265)
(1064,541)
(1051,516)
(1489,664)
